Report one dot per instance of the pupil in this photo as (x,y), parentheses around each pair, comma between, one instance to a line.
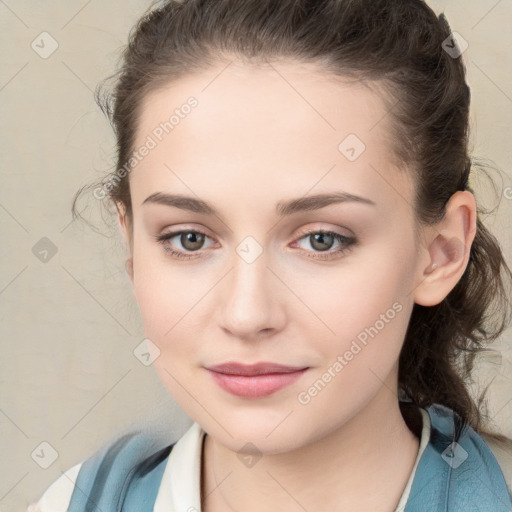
(320,237)
(191,241)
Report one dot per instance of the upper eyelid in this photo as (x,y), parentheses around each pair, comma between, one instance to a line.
(316,226)
(178,231)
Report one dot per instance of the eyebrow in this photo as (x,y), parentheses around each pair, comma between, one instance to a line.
(283,208)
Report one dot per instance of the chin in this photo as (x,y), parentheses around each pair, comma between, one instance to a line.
(256,433)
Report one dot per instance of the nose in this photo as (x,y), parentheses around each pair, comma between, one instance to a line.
(251,302)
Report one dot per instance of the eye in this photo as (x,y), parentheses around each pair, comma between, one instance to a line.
(190,240)
(322,241)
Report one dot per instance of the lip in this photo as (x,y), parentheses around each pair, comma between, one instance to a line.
(234,368)
(254,380)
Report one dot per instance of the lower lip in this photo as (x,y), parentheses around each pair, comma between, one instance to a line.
(255,386)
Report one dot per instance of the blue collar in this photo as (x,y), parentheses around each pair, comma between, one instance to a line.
(457,472)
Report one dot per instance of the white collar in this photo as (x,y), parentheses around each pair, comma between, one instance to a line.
(424,439)
(180,489)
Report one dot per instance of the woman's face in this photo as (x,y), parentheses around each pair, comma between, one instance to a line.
(255,146)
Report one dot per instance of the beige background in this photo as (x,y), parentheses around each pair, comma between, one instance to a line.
(69,326)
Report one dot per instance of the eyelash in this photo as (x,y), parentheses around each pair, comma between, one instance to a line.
(348,241)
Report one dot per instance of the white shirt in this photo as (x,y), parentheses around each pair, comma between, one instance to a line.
(180,488)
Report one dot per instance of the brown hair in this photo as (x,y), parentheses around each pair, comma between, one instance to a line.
(395,43)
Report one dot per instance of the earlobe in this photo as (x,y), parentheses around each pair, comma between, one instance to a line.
(121,216)
(448,250)
(129,268)
(125,231)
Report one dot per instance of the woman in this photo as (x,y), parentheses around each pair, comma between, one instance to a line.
(306,253)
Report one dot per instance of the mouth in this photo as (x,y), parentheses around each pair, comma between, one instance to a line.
(255,380)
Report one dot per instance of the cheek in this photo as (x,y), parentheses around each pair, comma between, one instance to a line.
(162,294)
(358,360)
(367,312)
(355,296)
(165,306)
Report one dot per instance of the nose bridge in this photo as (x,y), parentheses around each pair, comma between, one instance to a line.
(249,276)
(249,303)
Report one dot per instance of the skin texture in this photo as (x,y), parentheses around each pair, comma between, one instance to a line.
(259,136)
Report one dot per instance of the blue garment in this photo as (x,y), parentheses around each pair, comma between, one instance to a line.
(457,472)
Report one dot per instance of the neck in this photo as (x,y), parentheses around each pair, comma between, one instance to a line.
(363,465)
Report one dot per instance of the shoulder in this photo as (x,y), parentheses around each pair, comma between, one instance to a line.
(58,496)
(485,476)
(103,475)
(503,453)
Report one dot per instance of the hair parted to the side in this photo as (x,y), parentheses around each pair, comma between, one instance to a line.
(396,44)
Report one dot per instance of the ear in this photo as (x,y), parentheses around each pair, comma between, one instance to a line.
(125,228)
(446,250)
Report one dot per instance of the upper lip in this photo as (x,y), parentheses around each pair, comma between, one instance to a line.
(234,368)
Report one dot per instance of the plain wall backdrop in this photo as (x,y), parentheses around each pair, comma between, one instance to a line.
(69,322)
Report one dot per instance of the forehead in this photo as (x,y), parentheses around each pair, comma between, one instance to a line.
(297,96)
(286,123)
